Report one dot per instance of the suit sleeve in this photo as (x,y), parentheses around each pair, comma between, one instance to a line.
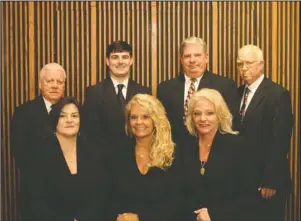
(19,137)
(242,204)
(279,145)
(160,95)
(233,100)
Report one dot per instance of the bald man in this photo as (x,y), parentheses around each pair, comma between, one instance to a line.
(266,122)
(29,124)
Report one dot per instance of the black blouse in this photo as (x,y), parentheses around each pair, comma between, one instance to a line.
(59,195)
(149,195)
(227,186)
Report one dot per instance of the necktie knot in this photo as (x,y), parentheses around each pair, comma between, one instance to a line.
(120,86)
(193,80)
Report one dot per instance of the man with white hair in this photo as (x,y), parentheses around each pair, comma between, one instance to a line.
(175,93)
(29,124)
(266,123)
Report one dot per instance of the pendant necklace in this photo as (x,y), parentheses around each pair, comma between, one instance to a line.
(202,170)
(203,163)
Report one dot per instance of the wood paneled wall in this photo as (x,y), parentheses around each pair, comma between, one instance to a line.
(76,34)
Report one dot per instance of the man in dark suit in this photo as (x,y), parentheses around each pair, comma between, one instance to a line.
(175,93)
(30,123)
(104,102)
(266,123)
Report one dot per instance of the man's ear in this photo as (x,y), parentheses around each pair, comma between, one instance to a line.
(132,60)
(107,61)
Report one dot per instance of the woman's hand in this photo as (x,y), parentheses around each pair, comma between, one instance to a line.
(202,215)
(128,217)
(267,192)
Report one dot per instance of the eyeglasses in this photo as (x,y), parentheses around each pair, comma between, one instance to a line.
(248,64)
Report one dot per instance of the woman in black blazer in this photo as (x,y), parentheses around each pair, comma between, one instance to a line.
(70,178)
(215,178)
(140,170)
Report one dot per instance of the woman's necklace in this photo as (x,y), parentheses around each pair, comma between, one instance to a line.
(203,163)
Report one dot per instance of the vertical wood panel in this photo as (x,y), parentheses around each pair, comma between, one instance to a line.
(76,34)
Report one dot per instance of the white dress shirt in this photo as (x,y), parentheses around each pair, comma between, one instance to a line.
(124,89)
(252,87)
(47,104)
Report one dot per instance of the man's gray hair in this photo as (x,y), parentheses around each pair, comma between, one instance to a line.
(193,40)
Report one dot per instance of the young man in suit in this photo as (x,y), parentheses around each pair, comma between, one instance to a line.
(105,102)
(175,93)
(266,123)
(30,123)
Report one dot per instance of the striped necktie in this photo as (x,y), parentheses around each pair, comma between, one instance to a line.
(243,106)
(191,90)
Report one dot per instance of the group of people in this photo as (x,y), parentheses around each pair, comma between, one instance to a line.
(202,150)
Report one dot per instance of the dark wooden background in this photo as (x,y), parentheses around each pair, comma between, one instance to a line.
(76,34)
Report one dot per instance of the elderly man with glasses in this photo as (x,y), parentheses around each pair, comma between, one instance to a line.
(266,123)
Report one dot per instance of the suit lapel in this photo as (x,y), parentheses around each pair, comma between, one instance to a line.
(179,94)
(205,81)
(256,100)
(111,103)
(42,123)
(41,108)
(109,91)
(217,142)
(130,91)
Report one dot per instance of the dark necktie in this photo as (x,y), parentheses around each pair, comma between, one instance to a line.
(243,106)
(191,90)
(52,105)
(120,96)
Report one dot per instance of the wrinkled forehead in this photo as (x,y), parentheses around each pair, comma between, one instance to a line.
(54,73)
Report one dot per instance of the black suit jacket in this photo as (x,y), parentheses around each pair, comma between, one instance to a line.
(56,194)
(226,189)
(267,126)
(30,123)
(103,118)
(171,94)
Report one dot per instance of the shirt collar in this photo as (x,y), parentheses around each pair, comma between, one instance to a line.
(48,104)
(125,83)
(253,87)
(187,79)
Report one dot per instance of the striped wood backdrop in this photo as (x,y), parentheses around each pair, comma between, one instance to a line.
(76,34)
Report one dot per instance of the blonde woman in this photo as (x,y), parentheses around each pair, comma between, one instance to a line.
(141,178)
(217,177)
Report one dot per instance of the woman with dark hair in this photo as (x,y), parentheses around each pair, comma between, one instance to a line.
(70,174)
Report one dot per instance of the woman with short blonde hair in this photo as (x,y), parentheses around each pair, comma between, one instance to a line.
(217,181)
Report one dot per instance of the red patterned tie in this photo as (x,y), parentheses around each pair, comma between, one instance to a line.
(190,93)
(243,106)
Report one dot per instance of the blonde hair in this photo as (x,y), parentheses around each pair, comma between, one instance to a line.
(221,109)
(162,146)
(193,40)
(52,66)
